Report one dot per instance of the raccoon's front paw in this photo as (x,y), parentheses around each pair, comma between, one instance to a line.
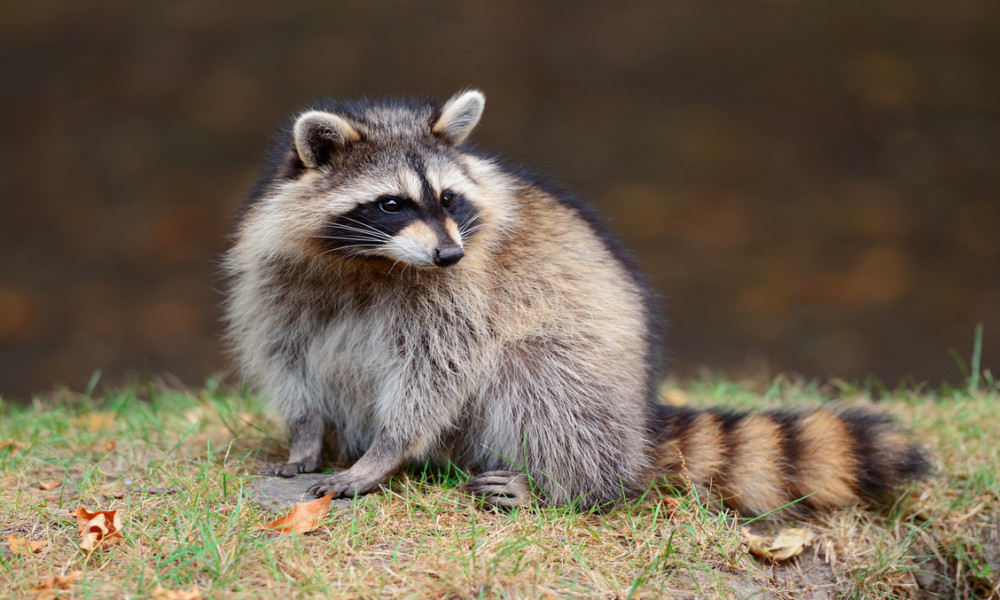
(291,469)
(345,485)
(505,489)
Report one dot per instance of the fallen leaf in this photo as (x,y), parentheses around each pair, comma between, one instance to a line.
(162,593)
(49,485)
(51,586)
(109,445)
(671,504)
(14,445)
(99,529)
(96,421)
(758,543)
(674,396)
(304,517)
(788,543)
(25,547)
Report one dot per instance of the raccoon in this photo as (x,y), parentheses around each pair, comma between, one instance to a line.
(403,297)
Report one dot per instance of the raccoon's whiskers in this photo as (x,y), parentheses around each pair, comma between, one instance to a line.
(469,227)
(337,238)
(467,231)
(364,227)
(374,233)
(352,253)
(353,236)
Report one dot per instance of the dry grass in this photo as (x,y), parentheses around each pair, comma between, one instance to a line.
(174,464)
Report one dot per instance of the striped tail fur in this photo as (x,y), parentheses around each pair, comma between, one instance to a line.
(758,462)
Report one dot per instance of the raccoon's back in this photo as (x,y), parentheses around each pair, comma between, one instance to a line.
(560,270)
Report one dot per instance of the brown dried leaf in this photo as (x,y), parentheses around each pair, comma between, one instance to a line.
(162,593)
(100,529)
(13,445)
(109,445)
(304,517)
(96,421)
(49,485)
(758,543)
(51,586)
(788,543)
(671,504)
(25,547)
(674,396)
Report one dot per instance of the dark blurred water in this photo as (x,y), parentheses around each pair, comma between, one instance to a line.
(814,187)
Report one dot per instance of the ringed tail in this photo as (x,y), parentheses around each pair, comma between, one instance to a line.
(759,462)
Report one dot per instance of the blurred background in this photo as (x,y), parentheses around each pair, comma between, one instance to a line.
(813,187)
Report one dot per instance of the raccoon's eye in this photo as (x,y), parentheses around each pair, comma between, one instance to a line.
(390,205)
(446,199)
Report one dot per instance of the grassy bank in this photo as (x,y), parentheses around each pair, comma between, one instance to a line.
(174,464)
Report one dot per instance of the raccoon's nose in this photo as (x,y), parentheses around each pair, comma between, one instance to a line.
(447,256)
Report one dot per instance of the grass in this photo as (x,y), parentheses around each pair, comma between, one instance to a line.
(174,463)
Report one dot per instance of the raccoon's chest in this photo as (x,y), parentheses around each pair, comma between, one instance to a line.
(345,360)
(347,356)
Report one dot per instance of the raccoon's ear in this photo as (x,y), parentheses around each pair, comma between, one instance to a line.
(460,115)
(318,135)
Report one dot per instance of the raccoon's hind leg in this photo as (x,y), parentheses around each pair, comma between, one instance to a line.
(506,489)
(307,446)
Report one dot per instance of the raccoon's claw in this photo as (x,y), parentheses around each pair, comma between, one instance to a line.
(506,489)
(291,469)
(343,485)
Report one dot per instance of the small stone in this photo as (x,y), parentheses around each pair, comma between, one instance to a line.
(279,494)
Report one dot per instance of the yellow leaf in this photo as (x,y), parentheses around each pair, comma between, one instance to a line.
(758,543)
(162,593)
(674,396)
(25,547)
(96,421)
(304,517)
(13,445)
(790,542)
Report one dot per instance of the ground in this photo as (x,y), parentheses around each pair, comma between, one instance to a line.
(177,464)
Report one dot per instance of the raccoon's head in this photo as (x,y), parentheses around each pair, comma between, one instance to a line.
(387,181)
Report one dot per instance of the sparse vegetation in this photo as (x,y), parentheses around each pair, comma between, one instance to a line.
(174,464)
